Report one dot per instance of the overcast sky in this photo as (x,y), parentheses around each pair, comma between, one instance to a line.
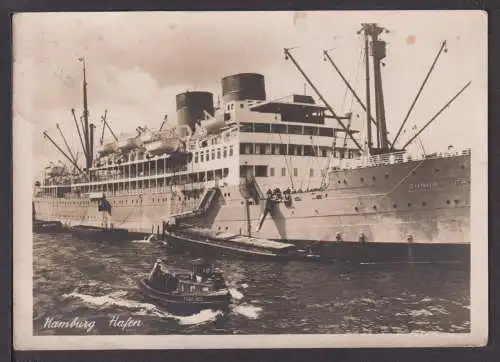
(138,62)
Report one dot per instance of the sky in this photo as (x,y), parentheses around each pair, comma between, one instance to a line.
(138,62)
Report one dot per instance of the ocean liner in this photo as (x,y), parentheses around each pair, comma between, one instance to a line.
(288,170)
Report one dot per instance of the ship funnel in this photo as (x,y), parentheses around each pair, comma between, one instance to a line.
(193,107)
(243,86)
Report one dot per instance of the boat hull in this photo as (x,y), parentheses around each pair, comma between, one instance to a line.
(47,227)
(99,234)
(389,204)
(184,303)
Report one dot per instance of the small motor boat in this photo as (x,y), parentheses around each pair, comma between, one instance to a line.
(48,227)
(185,291)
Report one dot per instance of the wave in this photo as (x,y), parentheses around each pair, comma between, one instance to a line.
(247,310)
(236,294)
(205,316)
(116,299)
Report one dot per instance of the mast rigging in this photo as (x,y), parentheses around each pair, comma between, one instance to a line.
(288,55)
(79,132)
(60,150)
(443,45)
(436,115)
(66,143)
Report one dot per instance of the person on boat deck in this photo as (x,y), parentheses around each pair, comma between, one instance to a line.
(156,276)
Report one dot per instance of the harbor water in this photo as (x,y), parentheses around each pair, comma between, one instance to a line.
(96,283)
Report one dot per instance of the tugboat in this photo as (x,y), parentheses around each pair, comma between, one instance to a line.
(186,291)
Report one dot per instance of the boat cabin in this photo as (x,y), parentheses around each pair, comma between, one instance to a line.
(202,278)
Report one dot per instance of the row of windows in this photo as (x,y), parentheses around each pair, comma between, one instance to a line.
(265,171)
(283,149)
(213,154)
(286,129)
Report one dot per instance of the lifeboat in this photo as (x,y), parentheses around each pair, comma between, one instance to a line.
(127,144)
(161,146)
(107,149)
(186,291)
(55,170)
(146,137)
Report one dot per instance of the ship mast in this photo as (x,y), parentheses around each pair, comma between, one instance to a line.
(377,49)
(88,134)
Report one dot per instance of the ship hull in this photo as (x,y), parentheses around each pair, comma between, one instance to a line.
(425,202)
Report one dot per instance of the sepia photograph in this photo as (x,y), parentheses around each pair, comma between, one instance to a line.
(250,179)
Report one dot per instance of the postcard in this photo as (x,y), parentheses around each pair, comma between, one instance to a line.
(250,179)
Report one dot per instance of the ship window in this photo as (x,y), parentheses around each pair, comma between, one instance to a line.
(278,128)
(218,153)
(414,172)
(424,203)
(295,130)
(386,176)
(271,171)
(213,154)
(224,153)
(339,182)
(242,105)
(326,132)
(230,151)
(196,157)
(261,171)
(201,157)
(261,127)
(356,208)
(374,207)
(394,206)
(311,172)
(362,179)
(295,172)
(246,127)
(374,178)
(436,170)
(283,171)
(409,204)
(462,167)
(448,202)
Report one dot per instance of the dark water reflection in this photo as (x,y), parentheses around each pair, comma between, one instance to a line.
(96,281)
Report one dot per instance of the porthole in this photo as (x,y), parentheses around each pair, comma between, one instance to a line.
(424,203)
(374,178)
(356,208)
(386,176)
(362,179)
(338,182)
(409,204)
(448,202)
(457,202)
(345,182)
(436,170)
(374,207)
(228,194)
(394,206)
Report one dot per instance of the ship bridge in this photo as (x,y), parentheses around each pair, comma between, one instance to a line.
(294,108)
